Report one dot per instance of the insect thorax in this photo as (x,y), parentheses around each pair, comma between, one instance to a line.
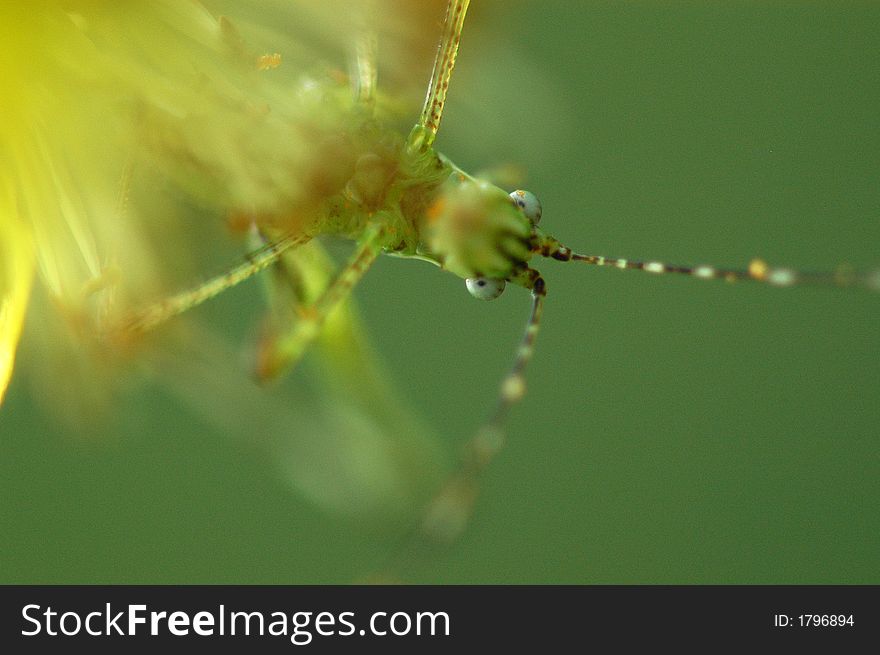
(431,209)
(365,175)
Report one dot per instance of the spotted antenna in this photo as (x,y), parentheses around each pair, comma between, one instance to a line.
(757,271)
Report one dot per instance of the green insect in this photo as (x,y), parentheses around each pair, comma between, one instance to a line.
(293,159)
(399,196)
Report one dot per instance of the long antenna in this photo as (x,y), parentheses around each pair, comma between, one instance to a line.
(757,271)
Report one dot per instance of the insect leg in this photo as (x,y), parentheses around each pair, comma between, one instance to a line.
(423,134)
(283,351)
(160,312)
(448,513)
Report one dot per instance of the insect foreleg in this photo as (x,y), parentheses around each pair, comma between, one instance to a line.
(281,352)
(158,313)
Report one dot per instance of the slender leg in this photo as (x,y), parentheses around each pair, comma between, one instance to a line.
(155,315)
(423,134)
(281,353)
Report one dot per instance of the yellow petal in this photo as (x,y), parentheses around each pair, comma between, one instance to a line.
(16,275)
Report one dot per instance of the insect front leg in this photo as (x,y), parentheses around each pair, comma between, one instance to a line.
(280,350)
(158,313)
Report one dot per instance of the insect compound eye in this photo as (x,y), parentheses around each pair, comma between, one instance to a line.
(529,204)
(485,288)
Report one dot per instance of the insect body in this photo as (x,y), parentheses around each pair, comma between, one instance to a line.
(400,196)
(395,194)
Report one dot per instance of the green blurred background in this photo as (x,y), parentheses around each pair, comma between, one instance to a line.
(675,431)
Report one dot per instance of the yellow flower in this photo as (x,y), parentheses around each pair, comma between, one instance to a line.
(126,128)
(16,273)
(94,93)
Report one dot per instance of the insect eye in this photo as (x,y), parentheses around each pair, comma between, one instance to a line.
(529,204)
(485,288)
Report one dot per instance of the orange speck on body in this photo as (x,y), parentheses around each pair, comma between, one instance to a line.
(339,76)
(309,313)
(239,222)
(758,269)
(435,209)
(268,62)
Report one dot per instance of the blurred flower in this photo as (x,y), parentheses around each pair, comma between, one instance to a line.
(122,126)
(90,90)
